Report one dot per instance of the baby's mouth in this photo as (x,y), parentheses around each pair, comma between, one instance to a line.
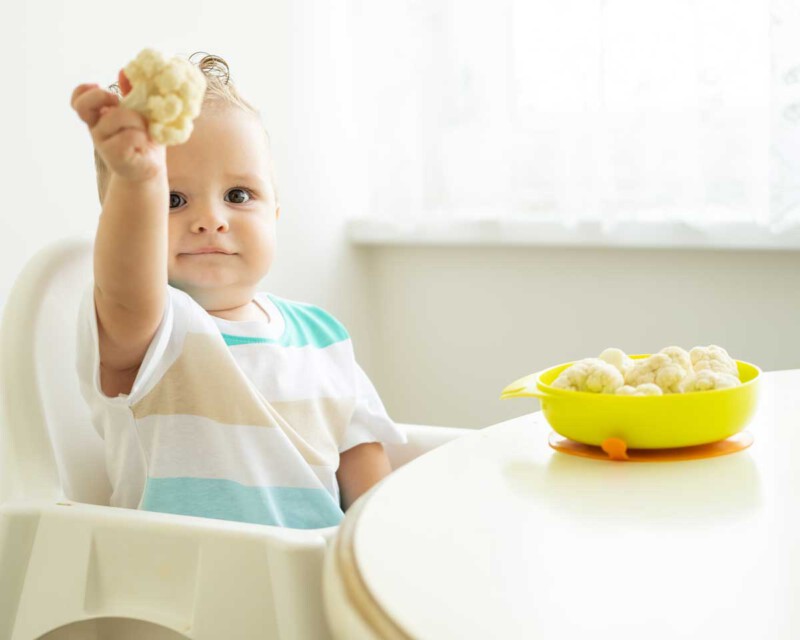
(207,253)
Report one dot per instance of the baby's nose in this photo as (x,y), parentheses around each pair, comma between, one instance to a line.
(209,220)
(200,228)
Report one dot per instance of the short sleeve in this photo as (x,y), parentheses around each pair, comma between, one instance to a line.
(88,354)
(370,422)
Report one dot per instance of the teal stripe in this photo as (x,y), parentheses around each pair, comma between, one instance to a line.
(306,324)
(228,500)
(234,340)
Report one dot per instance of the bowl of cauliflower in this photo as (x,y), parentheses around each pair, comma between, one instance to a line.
(673,398)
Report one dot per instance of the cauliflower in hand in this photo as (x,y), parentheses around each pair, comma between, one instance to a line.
(168,93)
(713,358)
(590,374)
(646,389)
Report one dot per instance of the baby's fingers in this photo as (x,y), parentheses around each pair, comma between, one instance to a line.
(81,89)
(124,83)
(117,119)
(89,102)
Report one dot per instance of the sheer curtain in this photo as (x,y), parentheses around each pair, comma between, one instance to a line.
(608,111)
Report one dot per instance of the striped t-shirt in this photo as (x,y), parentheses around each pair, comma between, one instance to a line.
(237,420)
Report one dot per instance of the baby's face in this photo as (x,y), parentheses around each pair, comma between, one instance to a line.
(221,196)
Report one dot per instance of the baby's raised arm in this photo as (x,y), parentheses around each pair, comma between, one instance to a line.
(130,250)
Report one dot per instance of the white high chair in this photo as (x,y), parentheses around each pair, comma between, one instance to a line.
(73,567)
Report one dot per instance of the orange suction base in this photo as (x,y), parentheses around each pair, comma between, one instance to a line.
(616,449)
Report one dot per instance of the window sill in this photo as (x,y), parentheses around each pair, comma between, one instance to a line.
(531,233)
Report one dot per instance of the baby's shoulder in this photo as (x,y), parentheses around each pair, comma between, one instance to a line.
(310,323)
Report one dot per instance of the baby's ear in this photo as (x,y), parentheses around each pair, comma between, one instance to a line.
(277,212)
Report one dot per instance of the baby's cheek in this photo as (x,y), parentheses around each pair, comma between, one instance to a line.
(264,254)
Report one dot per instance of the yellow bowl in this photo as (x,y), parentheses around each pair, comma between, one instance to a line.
(643,422)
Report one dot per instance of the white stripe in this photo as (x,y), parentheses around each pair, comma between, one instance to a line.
(285,374)
(196,447)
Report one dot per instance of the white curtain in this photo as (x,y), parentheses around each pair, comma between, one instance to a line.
(579,110)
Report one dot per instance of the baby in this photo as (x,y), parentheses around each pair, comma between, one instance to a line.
(213,399)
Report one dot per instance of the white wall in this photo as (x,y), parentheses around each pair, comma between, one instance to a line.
(440,331)
(459,324)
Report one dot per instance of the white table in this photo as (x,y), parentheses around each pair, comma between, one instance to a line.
(496,535)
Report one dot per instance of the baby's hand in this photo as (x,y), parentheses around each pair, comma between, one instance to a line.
(119,134)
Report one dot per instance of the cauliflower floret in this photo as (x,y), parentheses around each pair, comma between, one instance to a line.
(707,380)
(680,357)
(590,374)
(671,370)
(658,369)
(646,389)
(167,92)
(618,358)
(713,358)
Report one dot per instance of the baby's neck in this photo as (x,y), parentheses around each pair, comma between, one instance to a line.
(252,312)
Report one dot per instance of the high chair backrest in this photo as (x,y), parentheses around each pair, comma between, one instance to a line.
(50,447)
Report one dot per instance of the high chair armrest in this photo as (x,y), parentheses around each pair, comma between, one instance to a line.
(421,439)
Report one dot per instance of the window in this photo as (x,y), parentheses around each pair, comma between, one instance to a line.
(598,112)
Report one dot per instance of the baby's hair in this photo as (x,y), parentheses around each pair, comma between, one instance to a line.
(220,92)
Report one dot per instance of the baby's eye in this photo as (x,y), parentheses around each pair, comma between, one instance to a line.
(174,200)
(237,199)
